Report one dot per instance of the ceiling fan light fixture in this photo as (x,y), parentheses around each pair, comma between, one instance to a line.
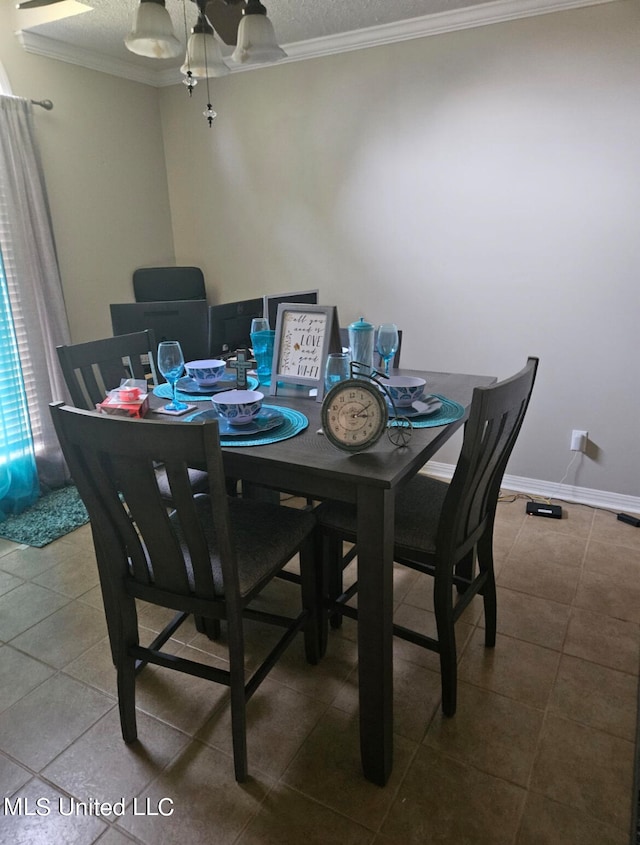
(257,43)
(152,32)
(204,56)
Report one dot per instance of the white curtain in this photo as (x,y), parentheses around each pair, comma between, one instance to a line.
(31,267)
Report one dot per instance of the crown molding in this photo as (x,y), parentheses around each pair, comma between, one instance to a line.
(40,45)
(483,14)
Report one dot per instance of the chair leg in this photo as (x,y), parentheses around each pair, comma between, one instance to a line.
(208,626)
(485,562)
(443,606)
(332,573)
(238,701)
(127,697)
(312,596)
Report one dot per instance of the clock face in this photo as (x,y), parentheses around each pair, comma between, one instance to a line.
(354,415)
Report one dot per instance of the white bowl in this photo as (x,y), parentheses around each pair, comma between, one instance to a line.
(238,407)
(404,389)
(207,371)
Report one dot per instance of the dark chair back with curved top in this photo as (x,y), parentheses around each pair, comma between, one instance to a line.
(91,369)
(211,556)
(446,530)
(166,284)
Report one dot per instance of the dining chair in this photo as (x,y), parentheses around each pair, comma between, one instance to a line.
(168,284)
(444,529)
(211,556)
(91,369)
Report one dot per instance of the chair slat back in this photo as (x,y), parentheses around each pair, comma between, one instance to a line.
(93,368)
(496,417)
(112,461)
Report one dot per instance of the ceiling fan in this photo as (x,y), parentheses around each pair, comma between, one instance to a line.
(224,15)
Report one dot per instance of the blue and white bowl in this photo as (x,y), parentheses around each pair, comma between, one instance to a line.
(404,390)
(206,372)
(238,407)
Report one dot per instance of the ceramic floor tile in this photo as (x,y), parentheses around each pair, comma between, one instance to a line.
(19,674)
(537,545)
(607,529)
(416,697)
(64,635)
(12,776)
(610,642)
(323,681)
(53,820)
(47,720)
(304,718)
(8,582)
(25,606)
(102,765)
(183,701)
(93,597)
(328,769)
(587,769)
(490,732)
(288,818)
(114,837)
(423,622)
(515,668)
(547,822)
(603,593)
(279,720)
(7,546)
(72,577)
(28,562)
(95,667)
(619,562)
(525,617)
(205,799)
(578,695)
(540,578)
(443,800)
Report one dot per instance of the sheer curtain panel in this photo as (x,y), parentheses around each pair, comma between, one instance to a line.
(33,280)
(19,485)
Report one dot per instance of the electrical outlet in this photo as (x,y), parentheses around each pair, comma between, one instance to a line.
(579,441)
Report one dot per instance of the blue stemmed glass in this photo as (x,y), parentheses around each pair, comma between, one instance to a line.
(387,343)
(171,365)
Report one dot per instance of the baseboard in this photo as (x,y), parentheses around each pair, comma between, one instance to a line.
(549,489)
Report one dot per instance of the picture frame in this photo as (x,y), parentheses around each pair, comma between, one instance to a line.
(305,334)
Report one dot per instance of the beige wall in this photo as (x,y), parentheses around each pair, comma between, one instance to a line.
(479,188)
(104,165)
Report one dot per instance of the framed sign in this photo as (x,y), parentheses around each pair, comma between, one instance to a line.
(305,334)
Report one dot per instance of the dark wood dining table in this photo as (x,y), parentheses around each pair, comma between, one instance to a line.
(308,465)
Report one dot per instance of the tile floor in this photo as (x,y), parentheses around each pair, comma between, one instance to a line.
(540,751)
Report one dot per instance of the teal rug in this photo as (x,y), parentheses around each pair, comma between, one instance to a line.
(53,515)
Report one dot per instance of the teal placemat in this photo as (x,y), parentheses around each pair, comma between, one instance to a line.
(448,413)
(294,423)
(164,391)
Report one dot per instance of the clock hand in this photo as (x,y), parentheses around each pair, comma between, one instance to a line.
(361,413)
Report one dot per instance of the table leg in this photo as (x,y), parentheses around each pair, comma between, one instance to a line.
(375,631)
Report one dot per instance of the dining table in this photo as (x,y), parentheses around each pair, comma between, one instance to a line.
(308,465)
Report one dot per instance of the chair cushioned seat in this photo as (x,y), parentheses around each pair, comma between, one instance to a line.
(264,536)
(199,482)
(418,507)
